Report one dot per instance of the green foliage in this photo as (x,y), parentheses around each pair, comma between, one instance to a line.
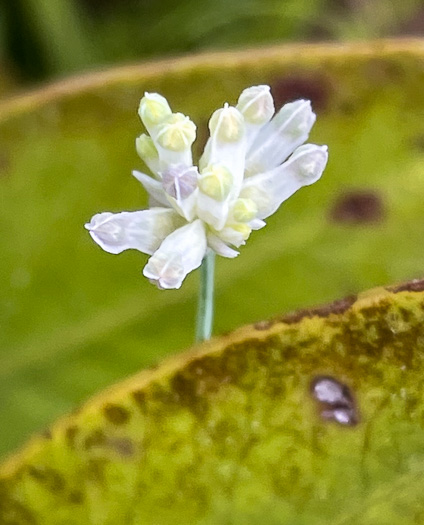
(75,319)
(231,432)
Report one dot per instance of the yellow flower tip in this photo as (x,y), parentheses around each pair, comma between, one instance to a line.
(242,228)
(146,148)
(153,109)
(244,210)
(216,181)
(176,133)
(227,124)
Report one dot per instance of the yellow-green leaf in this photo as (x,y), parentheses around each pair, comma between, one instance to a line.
(246,430)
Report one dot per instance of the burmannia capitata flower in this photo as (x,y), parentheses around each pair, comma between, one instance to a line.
(253,161)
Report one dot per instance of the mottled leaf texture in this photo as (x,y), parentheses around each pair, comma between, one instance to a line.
(313,417)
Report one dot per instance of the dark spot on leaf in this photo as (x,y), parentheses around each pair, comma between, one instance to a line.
(122,446)
(96,469)
(184,387)
(116,414)
(70,435)
(263,325)
(335,400)
(14,513)
(96,439)
(315,88)
(139,397)
(416,285)
(48,477)
(76,497)
(380,71)
(418,142)
(46,434)
(337,307)
(358,207)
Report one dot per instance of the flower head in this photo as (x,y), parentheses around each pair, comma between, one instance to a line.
(253,161)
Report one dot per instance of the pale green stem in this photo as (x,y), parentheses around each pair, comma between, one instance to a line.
(205,306)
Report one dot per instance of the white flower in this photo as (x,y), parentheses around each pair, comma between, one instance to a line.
(251,164)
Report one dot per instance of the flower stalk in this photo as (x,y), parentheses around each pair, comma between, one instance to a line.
(205,305)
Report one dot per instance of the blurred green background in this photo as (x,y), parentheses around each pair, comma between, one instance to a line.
(42,39)
(74,319)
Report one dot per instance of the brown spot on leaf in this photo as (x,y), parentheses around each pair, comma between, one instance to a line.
(116,414)
(139,397)
(123,446)
(70,435)
(335,400)
(418,142)
(97,438)
(336,307)
(313,87)
(48,477)
(358,207)
(46,434)
(76,497)
(416,285)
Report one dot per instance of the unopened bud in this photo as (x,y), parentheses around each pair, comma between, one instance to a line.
(243,229)
(176,133)
(153,109)
(310,161)
(227,124)
(256,104)
(244,210)
(146,148)
(216,182)
(296,117)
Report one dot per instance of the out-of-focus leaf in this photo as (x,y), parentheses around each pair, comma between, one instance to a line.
(242,430)
(74,319)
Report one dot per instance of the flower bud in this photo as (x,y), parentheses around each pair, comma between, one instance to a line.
(146,148)
(243,229)
(153,109)
(227,124)
(256,104)
(309,161)
(216,181)
(176,133)
(244,210)
(296,118)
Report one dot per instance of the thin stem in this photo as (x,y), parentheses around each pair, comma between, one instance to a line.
(205,306)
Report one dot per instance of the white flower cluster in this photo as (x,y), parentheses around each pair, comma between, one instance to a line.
(242,178)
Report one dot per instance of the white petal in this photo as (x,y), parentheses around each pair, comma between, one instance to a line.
(235,234)
(279,138)
(185,207)
(180,253)
(153,187)
(220,247)
(139,230)
(211,211)
(268,190)
(257,224)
